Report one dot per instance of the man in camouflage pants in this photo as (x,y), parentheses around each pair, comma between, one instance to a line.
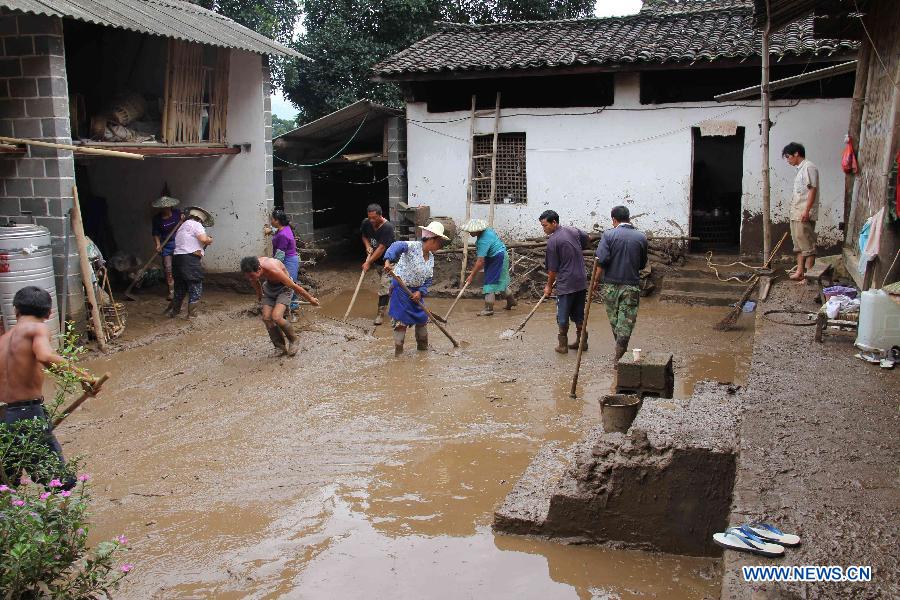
(621,255)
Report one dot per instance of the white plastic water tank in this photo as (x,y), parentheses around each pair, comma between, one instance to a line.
(26,258)
(879,322)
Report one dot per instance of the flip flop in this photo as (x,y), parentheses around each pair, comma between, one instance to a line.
(770,533)
(735,538)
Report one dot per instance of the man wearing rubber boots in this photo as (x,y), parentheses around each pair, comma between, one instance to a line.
(621,255)
(377,236)
(565,270)
(275,292)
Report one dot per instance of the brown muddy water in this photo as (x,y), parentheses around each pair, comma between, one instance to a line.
(347,473)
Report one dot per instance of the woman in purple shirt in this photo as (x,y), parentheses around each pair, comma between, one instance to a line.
(284,246)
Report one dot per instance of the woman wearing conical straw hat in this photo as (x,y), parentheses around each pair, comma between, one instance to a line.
(413,263)
(491,255)
(191,241)
(163,223)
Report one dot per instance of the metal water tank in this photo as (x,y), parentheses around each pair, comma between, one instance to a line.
(26,258)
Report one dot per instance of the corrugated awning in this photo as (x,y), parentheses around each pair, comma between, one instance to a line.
(166,18)
(755,90)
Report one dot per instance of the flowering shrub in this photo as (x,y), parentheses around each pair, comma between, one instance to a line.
(43,542)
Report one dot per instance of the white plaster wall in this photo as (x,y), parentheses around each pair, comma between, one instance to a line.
(231,187)
(632,154)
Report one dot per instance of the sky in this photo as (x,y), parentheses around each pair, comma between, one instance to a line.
(603,8)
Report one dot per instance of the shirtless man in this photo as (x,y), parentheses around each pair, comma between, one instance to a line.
(25,352)
(275,294)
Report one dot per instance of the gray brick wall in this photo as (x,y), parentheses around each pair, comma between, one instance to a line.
(267,120)
(297,190)
(34,104)
(396,143)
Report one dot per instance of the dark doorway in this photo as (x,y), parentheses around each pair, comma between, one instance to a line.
(716,191)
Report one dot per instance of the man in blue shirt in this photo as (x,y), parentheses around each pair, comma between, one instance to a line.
(565,270)
(621,255)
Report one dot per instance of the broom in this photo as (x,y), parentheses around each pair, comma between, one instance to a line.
(731,318)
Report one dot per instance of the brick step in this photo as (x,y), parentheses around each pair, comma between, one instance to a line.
(707,298)
(701,284)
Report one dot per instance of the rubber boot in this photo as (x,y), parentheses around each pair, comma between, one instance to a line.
(488,305)
(379,318)
(574,345)
(192,310)
(399,338)
(562,340)
(291,337)
(621,348)
(511,301)
(421,337)
(276,337)
(171,291)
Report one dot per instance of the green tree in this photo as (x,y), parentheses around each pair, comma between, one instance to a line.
(345,38)
(280,125)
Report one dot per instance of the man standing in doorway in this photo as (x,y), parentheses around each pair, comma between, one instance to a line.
(804,208)
(621,255)
(565,270)
(274,293)
(377,236)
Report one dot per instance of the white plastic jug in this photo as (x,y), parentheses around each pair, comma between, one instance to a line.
(879,322)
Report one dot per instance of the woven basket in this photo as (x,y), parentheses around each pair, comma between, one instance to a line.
(128,108)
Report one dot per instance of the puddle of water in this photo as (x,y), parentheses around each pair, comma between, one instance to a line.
(347,473)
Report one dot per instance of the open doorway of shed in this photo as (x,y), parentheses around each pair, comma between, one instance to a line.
(717,174)
(340,194)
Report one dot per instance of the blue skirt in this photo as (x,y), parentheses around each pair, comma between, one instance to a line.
(403,309)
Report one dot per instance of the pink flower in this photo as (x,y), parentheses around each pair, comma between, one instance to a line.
(55,483)
(45,495)
(84,477)
(18,503)
(127,567)
(122,540)
(25,480)
(80,531)
(5,488)
(65,493)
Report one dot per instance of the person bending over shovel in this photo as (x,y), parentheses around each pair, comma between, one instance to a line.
(275,293)
(413,263)
(25,352)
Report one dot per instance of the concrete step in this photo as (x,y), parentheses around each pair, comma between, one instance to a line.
(701,284)
(707,298)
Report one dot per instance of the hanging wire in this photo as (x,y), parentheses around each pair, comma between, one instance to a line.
(333,156)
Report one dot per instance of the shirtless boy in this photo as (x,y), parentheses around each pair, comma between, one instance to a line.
(275,292)
(25,352)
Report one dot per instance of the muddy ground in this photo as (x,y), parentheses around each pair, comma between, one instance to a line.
(819,456)
(347,473)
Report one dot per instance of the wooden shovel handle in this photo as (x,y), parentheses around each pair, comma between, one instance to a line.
(81,399)
(153,257)
(423,307)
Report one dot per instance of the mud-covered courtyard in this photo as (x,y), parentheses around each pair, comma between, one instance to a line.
(345,472)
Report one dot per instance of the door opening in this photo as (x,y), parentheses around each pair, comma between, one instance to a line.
(716,192)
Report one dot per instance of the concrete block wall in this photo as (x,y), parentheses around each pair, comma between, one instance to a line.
(34,104)
(267,120)
(296,185)
(396,143)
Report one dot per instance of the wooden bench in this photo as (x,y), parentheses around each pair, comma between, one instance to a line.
(821,275)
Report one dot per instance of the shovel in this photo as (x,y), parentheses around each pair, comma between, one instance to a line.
(458,296)
(511,333)
(353,299)
(423,307)
(95,389)
(147,264)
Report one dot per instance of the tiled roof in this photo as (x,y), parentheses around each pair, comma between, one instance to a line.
(168,18)
(702,30)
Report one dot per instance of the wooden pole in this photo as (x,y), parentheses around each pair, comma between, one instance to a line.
(494,161)
(425,308)
(764,131)
(469,192)
(86,272)
(353,299)
(95,389)
(587,314)
(458,296)
(856,112)
(79,149)
(140,273)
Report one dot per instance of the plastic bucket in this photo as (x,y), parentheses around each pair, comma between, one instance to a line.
(617,411)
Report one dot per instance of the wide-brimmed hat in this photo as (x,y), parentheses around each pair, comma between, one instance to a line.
(165,202)
(206,219)
(435,228)
(475,225)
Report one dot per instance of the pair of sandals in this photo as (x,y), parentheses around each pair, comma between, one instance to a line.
(757,538)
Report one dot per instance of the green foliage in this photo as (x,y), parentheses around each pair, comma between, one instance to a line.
(43,542)
(280,125)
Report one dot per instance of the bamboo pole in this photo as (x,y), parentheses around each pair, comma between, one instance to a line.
(469,191)
(855,127)
(81,242)
(583,333)
(81,149)
(494,161)
(764,131)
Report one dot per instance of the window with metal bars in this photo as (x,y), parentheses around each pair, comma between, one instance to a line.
(512,185)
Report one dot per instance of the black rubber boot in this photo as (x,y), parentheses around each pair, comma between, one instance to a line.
(379,318)
(621,349)
(399,339)
(511,301)
(292,339)
(562,339)
(192,310)
(574,345)
(421,337)
(276,337)
(488,305)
